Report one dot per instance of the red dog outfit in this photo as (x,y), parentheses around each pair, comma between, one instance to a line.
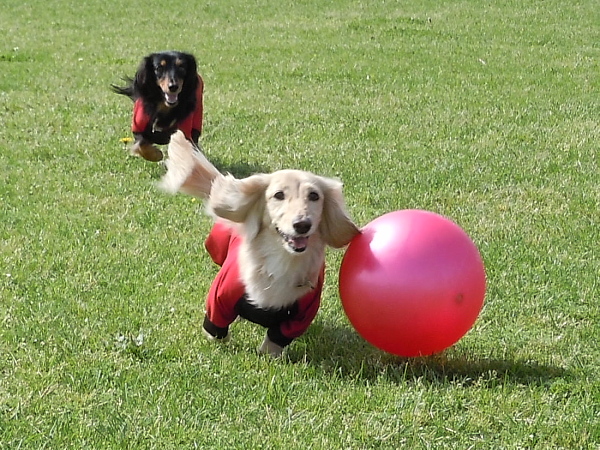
(227,297)
(141,121)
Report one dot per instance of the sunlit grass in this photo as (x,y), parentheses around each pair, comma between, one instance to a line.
(486,113)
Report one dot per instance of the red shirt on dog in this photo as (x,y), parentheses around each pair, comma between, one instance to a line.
(227,297)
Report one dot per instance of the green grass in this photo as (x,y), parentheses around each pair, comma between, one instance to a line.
(486,112)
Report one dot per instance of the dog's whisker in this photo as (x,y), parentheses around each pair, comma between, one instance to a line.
(306,283)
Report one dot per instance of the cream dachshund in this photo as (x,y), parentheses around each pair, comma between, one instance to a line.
(269,239)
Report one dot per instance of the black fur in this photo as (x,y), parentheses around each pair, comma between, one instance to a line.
(169,68)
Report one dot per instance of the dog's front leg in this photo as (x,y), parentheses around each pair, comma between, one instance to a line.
(269,347)
(145,149)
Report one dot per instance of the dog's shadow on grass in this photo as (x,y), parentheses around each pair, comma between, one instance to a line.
(240,169)
(341,351)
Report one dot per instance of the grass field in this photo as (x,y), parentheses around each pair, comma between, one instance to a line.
(486,112)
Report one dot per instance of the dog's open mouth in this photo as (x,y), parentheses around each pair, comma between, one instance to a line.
(171,98)
(296,243)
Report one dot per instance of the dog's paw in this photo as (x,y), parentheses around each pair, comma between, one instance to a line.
(210,337)
(269,347)
(146,151)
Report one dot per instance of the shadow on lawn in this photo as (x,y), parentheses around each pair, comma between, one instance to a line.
(343,352)
(239,169)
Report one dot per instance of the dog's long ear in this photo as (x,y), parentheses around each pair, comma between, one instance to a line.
(191,74)
(241,201)
(143,76)
(191,65)
(336,227)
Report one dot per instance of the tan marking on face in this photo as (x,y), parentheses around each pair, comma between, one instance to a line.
(164,84)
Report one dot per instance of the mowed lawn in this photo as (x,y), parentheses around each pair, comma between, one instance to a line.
(485,112)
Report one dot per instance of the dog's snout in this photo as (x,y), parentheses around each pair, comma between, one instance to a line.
(302,225)
(173,87)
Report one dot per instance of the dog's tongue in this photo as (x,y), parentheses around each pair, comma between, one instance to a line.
(171,98)
(299,243)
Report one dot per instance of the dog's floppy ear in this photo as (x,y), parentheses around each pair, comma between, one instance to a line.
(191,73)
(191,65)
(336,227)
(143,74)
(241,201)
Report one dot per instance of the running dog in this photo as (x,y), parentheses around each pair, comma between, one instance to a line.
(269,239)
(168,96)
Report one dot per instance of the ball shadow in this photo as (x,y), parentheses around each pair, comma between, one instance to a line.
(341,351)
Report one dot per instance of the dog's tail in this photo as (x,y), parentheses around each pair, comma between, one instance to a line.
(188,170)
(126,90)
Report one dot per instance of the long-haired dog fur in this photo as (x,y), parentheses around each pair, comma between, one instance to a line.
(283,221)
(168,95)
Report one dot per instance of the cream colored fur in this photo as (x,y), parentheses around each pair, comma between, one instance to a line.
(278,262)
(188,170)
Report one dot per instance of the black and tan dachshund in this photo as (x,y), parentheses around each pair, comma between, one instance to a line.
(167,92)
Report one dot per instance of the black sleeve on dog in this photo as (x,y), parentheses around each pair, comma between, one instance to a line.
(268,318)
(158,137)
(195,136)
(213,330)
(275,335)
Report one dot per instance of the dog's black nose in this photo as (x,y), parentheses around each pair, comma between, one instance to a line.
(173,87)
(302,226)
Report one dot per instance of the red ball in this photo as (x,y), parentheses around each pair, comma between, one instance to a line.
(412,283)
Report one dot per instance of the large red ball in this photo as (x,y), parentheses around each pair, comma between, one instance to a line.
(412,283)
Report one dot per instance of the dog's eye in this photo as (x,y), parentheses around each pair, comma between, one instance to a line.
(314,197)
(279,195)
